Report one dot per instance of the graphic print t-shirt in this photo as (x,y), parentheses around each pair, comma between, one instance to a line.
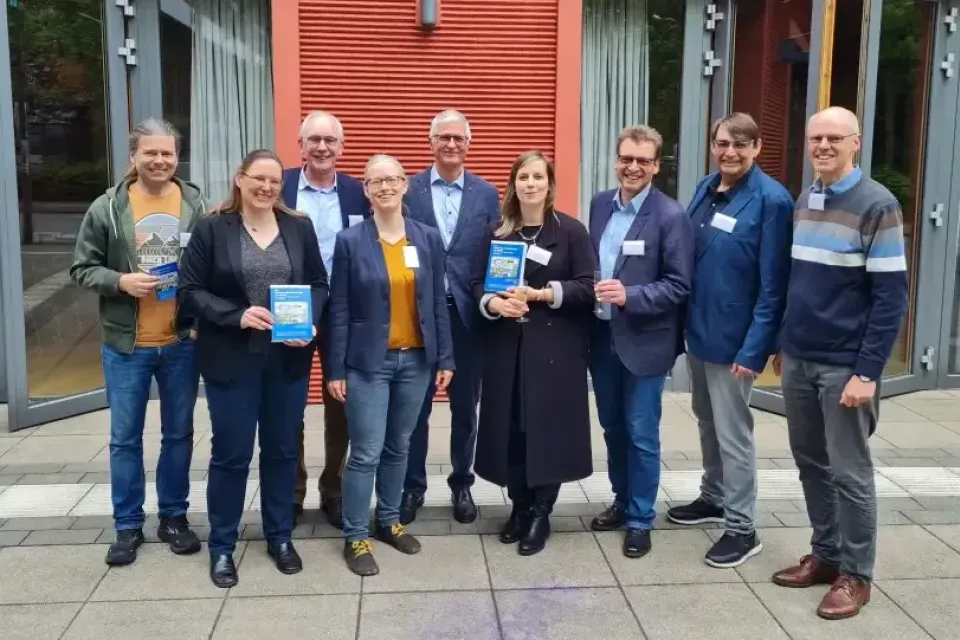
(157,227)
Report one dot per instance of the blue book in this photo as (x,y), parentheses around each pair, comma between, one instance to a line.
(505,265)
(292,309)
(168,274)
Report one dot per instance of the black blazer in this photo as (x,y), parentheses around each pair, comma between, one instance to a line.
(212,286)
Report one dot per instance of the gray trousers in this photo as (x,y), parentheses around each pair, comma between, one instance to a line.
(721,402)
(829,443)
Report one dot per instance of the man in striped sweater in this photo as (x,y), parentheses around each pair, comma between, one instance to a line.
(846,299)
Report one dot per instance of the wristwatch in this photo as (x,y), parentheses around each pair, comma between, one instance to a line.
(865,378)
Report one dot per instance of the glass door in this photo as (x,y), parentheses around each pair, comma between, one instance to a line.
(58,158)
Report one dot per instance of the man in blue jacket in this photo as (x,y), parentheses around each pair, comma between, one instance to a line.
(463,206)
(644,245)
(333,201)
(742,221)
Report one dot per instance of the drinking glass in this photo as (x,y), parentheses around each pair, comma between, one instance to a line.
(520,293)
(600,309)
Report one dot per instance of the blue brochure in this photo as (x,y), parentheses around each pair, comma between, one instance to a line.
(168,274)
(505,265)
(292,309)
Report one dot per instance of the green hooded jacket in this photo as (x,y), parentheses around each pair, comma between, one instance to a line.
(106,250)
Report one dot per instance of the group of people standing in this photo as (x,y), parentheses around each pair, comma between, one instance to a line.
(396,269)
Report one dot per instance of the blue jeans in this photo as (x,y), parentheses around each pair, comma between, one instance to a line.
(262,396)
(127,378)
(382,412)
(464,394)
(629,408)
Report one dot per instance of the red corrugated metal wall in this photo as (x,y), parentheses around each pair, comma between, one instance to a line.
(385,78)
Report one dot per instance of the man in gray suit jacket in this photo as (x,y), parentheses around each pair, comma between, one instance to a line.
(463,207)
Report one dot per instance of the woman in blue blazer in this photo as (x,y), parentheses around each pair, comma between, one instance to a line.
(389,333)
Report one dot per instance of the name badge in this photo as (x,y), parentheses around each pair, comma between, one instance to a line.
(538,255)
(184,239)
(723,222)
(634,248)
(817,201)
(353,220)
(410,258)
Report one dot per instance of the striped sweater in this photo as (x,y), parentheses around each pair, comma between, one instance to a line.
(848,279)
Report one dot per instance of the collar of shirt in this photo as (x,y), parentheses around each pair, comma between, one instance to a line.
(436,179)
(636,203)
(305,184)
(714,185)
(842,185)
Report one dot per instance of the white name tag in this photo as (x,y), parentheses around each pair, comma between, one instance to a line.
(634,248)
(410,258)
(538,255)
(184,239)
(354,220)
(723,222)
(817,201)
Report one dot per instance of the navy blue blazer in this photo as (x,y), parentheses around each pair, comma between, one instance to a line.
(479,209)
(740,278)
(647,331)
(353,201)
(359,304)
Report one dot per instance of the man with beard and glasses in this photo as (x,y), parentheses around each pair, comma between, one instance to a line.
(743,220)
(128,251)
(463,206)
(334,201)
(644,245)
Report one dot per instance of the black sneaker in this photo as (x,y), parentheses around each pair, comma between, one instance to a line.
(697,512)
(609,519)
(359,557)
(464,508)
(398,538)
(176,532)
(124,549)
(637,543)
(733,549)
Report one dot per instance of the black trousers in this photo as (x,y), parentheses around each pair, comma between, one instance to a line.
(539,500)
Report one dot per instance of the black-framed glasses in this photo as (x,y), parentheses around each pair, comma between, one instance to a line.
(448,138)
(390,181)
(314,141)
(738,145)
(628,161)
(832,140)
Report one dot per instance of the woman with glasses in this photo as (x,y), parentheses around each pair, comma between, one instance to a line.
(389,333)
(254,386)
(534,431)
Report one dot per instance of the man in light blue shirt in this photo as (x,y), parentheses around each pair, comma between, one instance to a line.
(333,201)
(613,236)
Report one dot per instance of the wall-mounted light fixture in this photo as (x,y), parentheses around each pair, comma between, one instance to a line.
(428,14)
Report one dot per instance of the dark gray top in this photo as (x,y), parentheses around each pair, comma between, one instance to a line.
(262,268)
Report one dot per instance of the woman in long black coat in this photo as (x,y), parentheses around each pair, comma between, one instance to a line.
(534,431)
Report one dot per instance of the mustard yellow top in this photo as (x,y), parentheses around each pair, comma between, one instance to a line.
(404,318)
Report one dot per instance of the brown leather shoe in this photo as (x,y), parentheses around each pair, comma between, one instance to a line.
(845,599)
(809,572)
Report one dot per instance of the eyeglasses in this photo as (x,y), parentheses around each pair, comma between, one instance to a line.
(832,140)
(264,181)
(330,141)
(628,161)
(447,139)
(390,181)
(739,145)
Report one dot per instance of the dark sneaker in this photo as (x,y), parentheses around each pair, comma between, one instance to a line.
(124,549)
(697,512)
(398,538)
(464,508)
(733,549)
(609,519)
(176,532)
(636,544)
(409,506)
(359,557)
(333,508)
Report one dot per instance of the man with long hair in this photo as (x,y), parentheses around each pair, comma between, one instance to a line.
(128,250)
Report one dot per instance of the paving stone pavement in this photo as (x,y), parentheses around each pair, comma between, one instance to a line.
(55,524)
